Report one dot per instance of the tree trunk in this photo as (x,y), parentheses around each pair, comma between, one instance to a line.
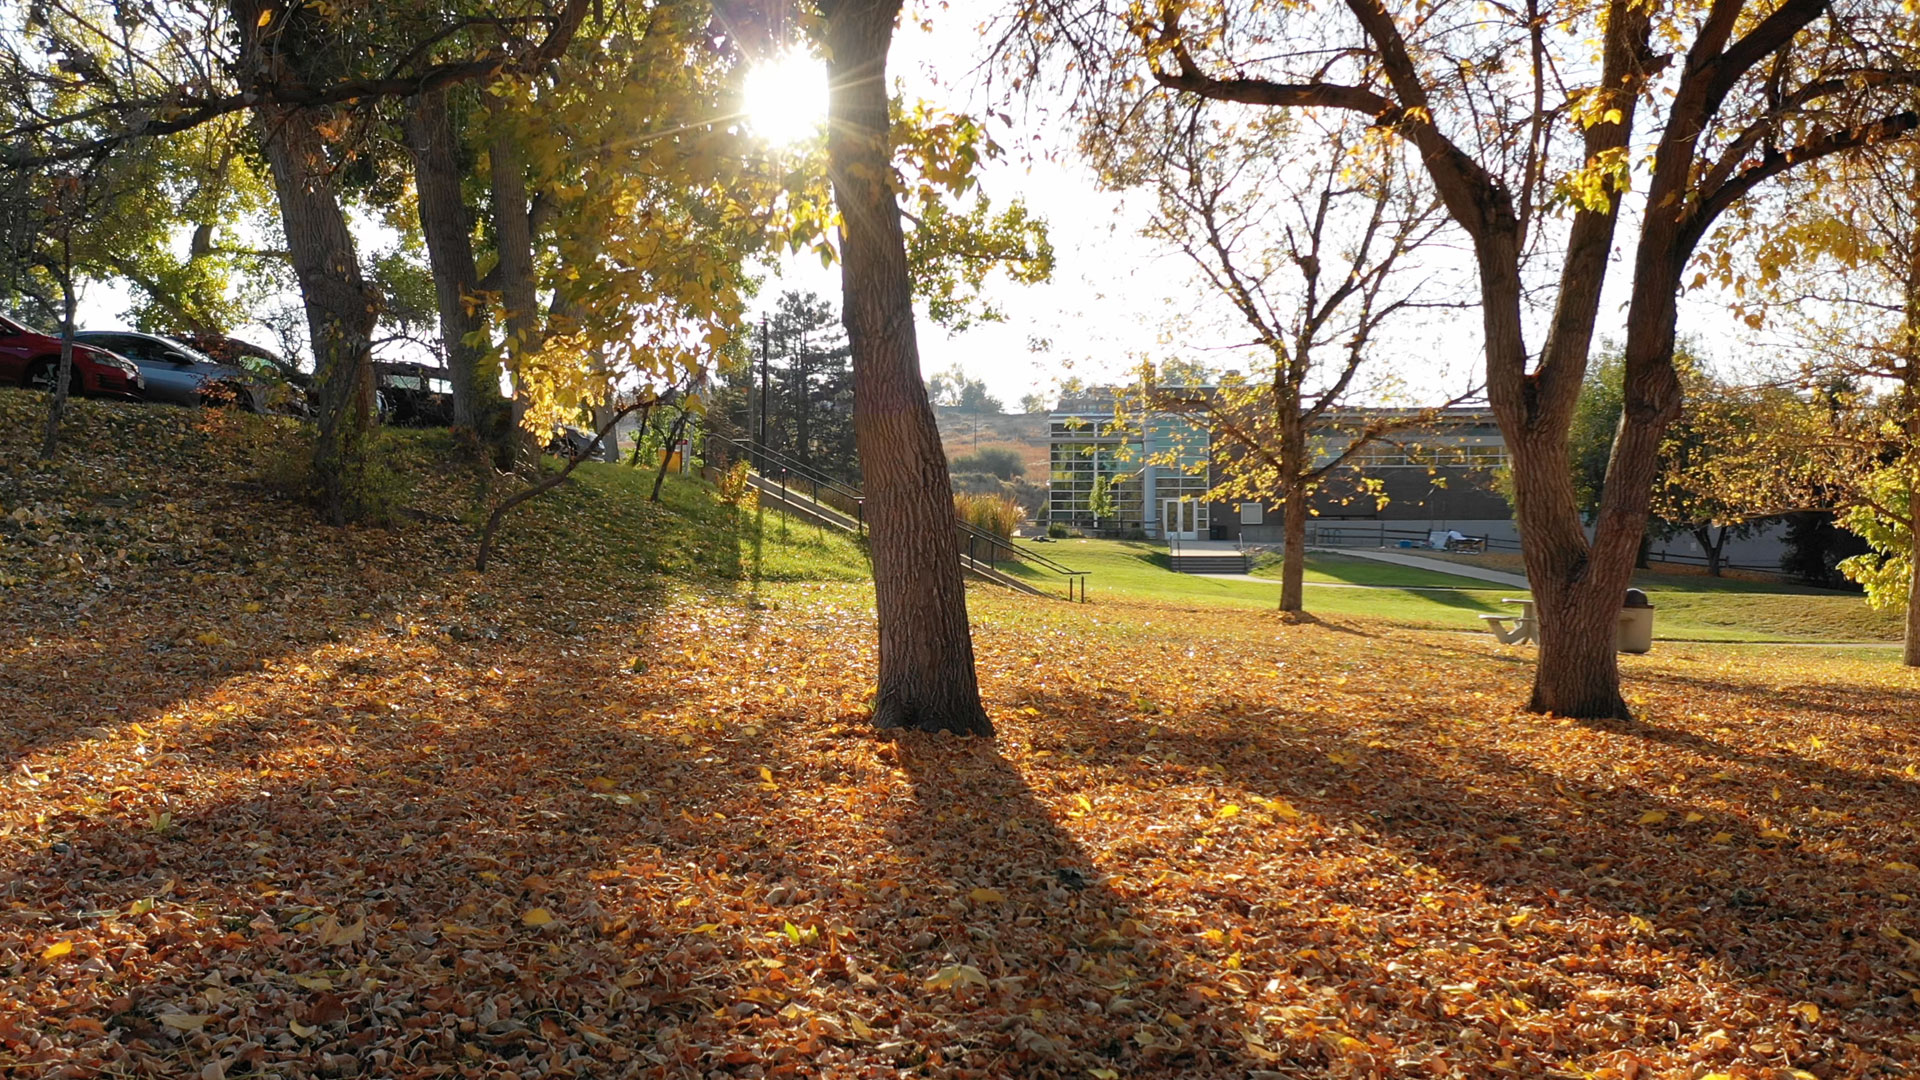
(926,678)
(447,226)
(513,238)
(1713,548)
(1910,648)
(63,371)
(341,308)
(1293,570)
(1576,673)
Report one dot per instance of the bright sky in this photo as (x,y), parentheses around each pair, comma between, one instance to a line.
(1115,297)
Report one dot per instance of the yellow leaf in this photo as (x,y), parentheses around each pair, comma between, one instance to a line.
(766,774)
(1507,841)
(1695,816)
(185,1023)
(1808,1011)
(314,982)
(537,917)
(1103,1074)
(1722,838)
(859,1026)
(705,928)
(1280,808)
(987,896)
(56,950)
(332,933)
(1902,867)
(252,607)
(955,976)
(1227,811)
(1775,834)
(1653,817)
(265,17)
(299,1029)
(1342,758)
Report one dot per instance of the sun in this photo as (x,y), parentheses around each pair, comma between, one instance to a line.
(786,98)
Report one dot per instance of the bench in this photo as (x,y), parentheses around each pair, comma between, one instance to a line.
(1524,632)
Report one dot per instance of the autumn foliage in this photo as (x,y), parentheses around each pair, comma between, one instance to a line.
(297,802)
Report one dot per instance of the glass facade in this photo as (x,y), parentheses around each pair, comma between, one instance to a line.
(1170,461)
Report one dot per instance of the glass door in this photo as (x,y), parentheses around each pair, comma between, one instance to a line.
(1180,518)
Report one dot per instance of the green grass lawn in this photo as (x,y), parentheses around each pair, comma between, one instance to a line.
(1688,607)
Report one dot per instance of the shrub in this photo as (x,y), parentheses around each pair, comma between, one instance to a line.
(1001,461)
(736,487)
(996,514)
(1059,531)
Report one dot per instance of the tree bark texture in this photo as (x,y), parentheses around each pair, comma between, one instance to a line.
(341,308)
(62,371)
(1910,646)
(1293,570)
(926,677)
(513,239)
(447,225)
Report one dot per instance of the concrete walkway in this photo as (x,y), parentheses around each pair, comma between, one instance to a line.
(1438,566)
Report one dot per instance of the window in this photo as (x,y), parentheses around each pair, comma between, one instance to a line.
(1252,513)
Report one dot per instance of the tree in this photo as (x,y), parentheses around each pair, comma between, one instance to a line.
(809,386)
(926,677)
(1033,403)
(1843,275)
(1526,121)
(303,72)
(1302,231)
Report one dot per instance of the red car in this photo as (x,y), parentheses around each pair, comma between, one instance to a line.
(28,358)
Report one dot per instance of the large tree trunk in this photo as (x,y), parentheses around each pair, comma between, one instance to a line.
(341,308)
(926,650)
(1910,648)
(1293,570)
(447,225)
(513,238)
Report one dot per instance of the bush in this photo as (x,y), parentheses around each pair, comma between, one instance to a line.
(1001,461)
(1059,531)
(736,489)
(996,514)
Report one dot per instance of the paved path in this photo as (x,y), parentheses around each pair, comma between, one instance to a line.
(1275,582)
(1438,566)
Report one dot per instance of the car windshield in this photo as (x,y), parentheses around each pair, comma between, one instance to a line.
(8,326)
(192,353)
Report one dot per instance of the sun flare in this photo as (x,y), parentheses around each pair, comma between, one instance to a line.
(786,98)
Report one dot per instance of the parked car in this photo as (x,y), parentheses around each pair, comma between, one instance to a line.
(184,375)
(30,358)
(413,395)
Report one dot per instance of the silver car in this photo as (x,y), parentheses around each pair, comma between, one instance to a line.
(186,376)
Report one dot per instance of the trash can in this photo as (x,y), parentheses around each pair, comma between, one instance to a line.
(1634,633)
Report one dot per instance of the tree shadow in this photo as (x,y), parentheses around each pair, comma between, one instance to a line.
(1516,861)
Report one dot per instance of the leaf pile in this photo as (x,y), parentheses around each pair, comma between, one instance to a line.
(401,821)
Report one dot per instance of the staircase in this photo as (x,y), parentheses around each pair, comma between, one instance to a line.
(1207,557)
(795,488)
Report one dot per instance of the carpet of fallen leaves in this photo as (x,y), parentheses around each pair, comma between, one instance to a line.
(287,801)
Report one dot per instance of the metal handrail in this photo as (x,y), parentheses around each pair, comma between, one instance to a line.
(975,537)
(783,468)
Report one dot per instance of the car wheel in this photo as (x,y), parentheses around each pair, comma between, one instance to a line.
(227,395)
(40,376)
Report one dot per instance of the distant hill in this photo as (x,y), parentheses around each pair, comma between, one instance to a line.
(964,432)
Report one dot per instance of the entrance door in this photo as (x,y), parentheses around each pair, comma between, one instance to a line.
(1180,518)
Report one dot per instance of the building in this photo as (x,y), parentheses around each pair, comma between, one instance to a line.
(1157,469)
